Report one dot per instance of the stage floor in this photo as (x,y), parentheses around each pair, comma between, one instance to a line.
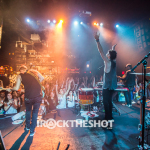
(122,136)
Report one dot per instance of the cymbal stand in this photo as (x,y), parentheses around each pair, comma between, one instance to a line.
(141,145)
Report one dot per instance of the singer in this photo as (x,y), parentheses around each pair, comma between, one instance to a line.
(109,78)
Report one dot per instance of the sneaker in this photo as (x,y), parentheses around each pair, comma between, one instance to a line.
(32,133)
(27,129)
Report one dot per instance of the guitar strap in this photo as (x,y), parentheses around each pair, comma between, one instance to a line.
(36,79)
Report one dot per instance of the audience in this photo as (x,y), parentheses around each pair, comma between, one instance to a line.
(59,93)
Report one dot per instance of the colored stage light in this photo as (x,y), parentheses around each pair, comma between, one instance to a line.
(54,21)
(61,21)
(95,23)
(117,26)
(48,21)
(87,65)
(101,24)
(75,23)
(81,22)
(123,72)
(28,20)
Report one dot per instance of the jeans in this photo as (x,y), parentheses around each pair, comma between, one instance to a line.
(107,101)
(128,95)
(35,102)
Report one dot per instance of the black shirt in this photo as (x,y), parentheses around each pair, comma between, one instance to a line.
(130,79)
(31,85)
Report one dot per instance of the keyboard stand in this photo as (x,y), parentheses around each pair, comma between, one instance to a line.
(116,108)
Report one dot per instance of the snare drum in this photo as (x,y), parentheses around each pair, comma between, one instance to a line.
(86,96)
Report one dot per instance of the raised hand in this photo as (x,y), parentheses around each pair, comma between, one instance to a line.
(96,36)
(113,47)
(56,82)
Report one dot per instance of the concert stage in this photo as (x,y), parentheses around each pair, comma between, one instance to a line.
(122,136)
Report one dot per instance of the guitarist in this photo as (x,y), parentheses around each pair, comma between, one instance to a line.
(31,80)
(130,80)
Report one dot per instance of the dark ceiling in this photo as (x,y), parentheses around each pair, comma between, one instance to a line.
(14,13)
(109,10)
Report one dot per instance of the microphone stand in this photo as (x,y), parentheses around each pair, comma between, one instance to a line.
(142,120)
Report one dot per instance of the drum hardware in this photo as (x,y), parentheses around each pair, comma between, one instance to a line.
(86,96)
(147,74)
(142,104)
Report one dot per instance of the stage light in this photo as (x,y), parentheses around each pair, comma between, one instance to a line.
(75,23)
(123,72)
(117,26)
(81,22)
(87,65)
(28,20)
(48,21)
(61,21)
(54,21)
(95,23)
(101,24)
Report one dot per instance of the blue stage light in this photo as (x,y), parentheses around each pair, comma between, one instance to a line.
(75,23)
(81,22)
(28,20)
(117,26)
(101,24)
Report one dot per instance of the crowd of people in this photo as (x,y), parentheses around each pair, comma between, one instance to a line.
(11,102)
(59,93)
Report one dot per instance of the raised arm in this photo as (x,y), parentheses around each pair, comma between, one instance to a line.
(57,88)
(68,86)
(18,83)
(73,84)
(93,81)
(113,47)
(100,49)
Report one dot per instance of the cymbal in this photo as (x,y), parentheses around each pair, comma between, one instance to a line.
(147,74)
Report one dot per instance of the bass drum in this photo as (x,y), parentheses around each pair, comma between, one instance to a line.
(86,96)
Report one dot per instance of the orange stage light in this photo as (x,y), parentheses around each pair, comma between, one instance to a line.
(61,21)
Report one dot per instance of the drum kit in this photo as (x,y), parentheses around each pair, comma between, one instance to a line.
(86,96)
